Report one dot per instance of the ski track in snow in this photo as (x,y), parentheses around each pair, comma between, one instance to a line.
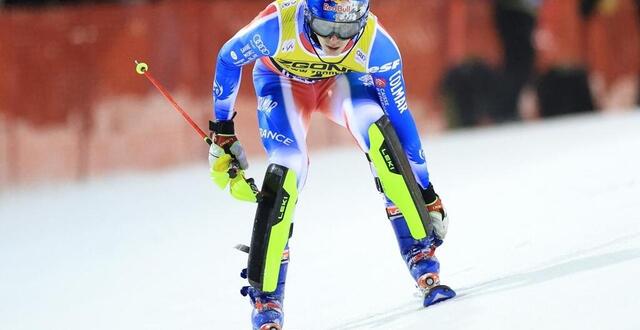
(573,263)
(544,234)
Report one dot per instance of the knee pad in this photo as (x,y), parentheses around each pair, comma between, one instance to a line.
(272,227)
(396,178)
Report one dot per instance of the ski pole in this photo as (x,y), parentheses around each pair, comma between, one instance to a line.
(143,69)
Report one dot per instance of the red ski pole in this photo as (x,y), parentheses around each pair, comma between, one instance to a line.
(143,69)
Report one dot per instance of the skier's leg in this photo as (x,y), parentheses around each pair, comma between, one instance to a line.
(398,164)
(406,208)
(283,121)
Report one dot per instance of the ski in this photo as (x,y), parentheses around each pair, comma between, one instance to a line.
(438,293)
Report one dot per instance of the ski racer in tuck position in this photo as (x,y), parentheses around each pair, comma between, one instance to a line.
(333,57)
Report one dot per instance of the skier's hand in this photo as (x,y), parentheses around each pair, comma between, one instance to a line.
(227,161)
(437,215)
(439,220)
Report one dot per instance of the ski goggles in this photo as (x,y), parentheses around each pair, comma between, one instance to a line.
(342,30)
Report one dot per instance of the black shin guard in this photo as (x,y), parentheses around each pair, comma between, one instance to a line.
(396,177)
(272,227)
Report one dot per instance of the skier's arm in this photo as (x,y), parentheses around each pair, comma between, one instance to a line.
(259,38)
(227,158)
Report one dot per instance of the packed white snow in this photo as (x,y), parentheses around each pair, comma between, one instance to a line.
(544,234)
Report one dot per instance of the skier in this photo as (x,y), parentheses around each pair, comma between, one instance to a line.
(333,57)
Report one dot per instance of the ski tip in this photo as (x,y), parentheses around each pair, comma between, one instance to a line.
(438,294)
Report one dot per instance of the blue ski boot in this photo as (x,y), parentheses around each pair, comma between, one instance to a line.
(267,309)
(424,268)
(419,255)
(267,306)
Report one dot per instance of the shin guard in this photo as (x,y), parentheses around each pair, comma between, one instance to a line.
(272,227)
(396,178)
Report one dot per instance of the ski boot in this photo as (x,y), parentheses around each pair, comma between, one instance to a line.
(267,309)
(424,268)
(419,256)
(267,306)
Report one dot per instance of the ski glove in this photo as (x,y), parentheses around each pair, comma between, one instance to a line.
(439,220)
(437,214)
(227,161)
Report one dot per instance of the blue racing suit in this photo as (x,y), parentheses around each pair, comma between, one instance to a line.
(293,79)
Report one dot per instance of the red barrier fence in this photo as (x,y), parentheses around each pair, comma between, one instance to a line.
(72,106)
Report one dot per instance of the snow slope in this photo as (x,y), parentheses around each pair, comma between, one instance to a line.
(545,234)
